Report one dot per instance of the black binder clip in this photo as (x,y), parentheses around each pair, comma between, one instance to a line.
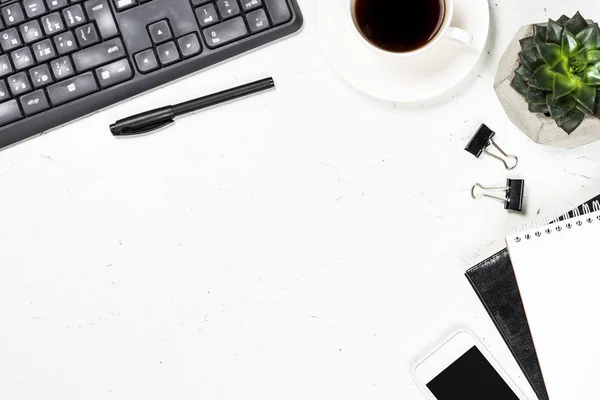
(484,138)
(514,189)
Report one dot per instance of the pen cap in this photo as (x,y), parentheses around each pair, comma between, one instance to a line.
(143,122)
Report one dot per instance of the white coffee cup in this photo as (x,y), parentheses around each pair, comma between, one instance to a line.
(445,31)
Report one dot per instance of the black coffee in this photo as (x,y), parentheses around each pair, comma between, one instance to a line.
(399,25)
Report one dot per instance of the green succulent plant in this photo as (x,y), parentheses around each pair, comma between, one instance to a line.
(559,71)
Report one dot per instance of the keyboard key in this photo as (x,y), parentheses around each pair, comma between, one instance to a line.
(65,43)
(207,15)
(31,31)
(56,4)
(279,11)
(72,88)
(62,68)
(228,8)
(257,20)
(40,76)
(19,84)
(34,8)
(44,51)
(74,16)
(189,45)
(121,5)
(160,32)
(199,2)
(5,66)
(225,32)
(167,53)
(22,58)
(146,61)
(87,35)
(4,95)
(10,39)
(248,5)
(9,112)
(99,11)
(99,54)
(52,23)
(114,73)
(13,14)
(34,102)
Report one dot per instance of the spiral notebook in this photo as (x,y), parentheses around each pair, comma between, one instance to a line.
(558,275)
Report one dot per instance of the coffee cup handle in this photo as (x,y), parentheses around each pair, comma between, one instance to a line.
(460,35)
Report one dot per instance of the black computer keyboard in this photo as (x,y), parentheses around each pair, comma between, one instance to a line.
(63,59)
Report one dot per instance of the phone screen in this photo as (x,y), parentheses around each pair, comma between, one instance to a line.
(471,377)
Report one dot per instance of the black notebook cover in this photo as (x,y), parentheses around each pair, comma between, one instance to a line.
(495,283)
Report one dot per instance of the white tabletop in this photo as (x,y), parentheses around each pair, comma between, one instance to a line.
(306,243)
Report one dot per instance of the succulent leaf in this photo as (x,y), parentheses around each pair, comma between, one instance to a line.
(578,62)
(531,58)
(563,85)
(535,96)
(590,37)
(519,85)
(597,110)
(561,68)
(586,97)
(550,52)
(523,72)
(554,32)
(576,24)
(591,76)
(562,106)
(543,78)
(571,120)
(539,34)
(562,20)
(593,57)
(570,44)
(539,108)
(527,43)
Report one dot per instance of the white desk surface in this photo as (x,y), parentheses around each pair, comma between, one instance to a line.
(306,243)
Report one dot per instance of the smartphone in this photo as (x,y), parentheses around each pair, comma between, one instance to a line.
(462,369)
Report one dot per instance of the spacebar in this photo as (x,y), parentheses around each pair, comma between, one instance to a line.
(72,88)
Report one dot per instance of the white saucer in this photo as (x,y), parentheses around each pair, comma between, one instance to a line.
(402,79)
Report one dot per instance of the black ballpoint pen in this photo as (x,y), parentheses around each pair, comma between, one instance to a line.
(160,117)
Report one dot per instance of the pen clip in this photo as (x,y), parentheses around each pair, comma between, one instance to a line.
(151,127)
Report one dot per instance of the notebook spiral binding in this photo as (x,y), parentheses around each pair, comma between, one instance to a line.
(559,222)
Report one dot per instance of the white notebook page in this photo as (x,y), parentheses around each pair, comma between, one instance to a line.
(559,279)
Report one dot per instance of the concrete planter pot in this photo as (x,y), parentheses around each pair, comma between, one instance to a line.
(538,127)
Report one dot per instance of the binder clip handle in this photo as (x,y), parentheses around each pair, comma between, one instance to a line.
(514,193)
(507,157)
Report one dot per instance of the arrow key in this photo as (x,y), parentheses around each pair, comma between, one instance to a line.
(168,53)
(189,45)
(160,32)
(146,61)
(228,8)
